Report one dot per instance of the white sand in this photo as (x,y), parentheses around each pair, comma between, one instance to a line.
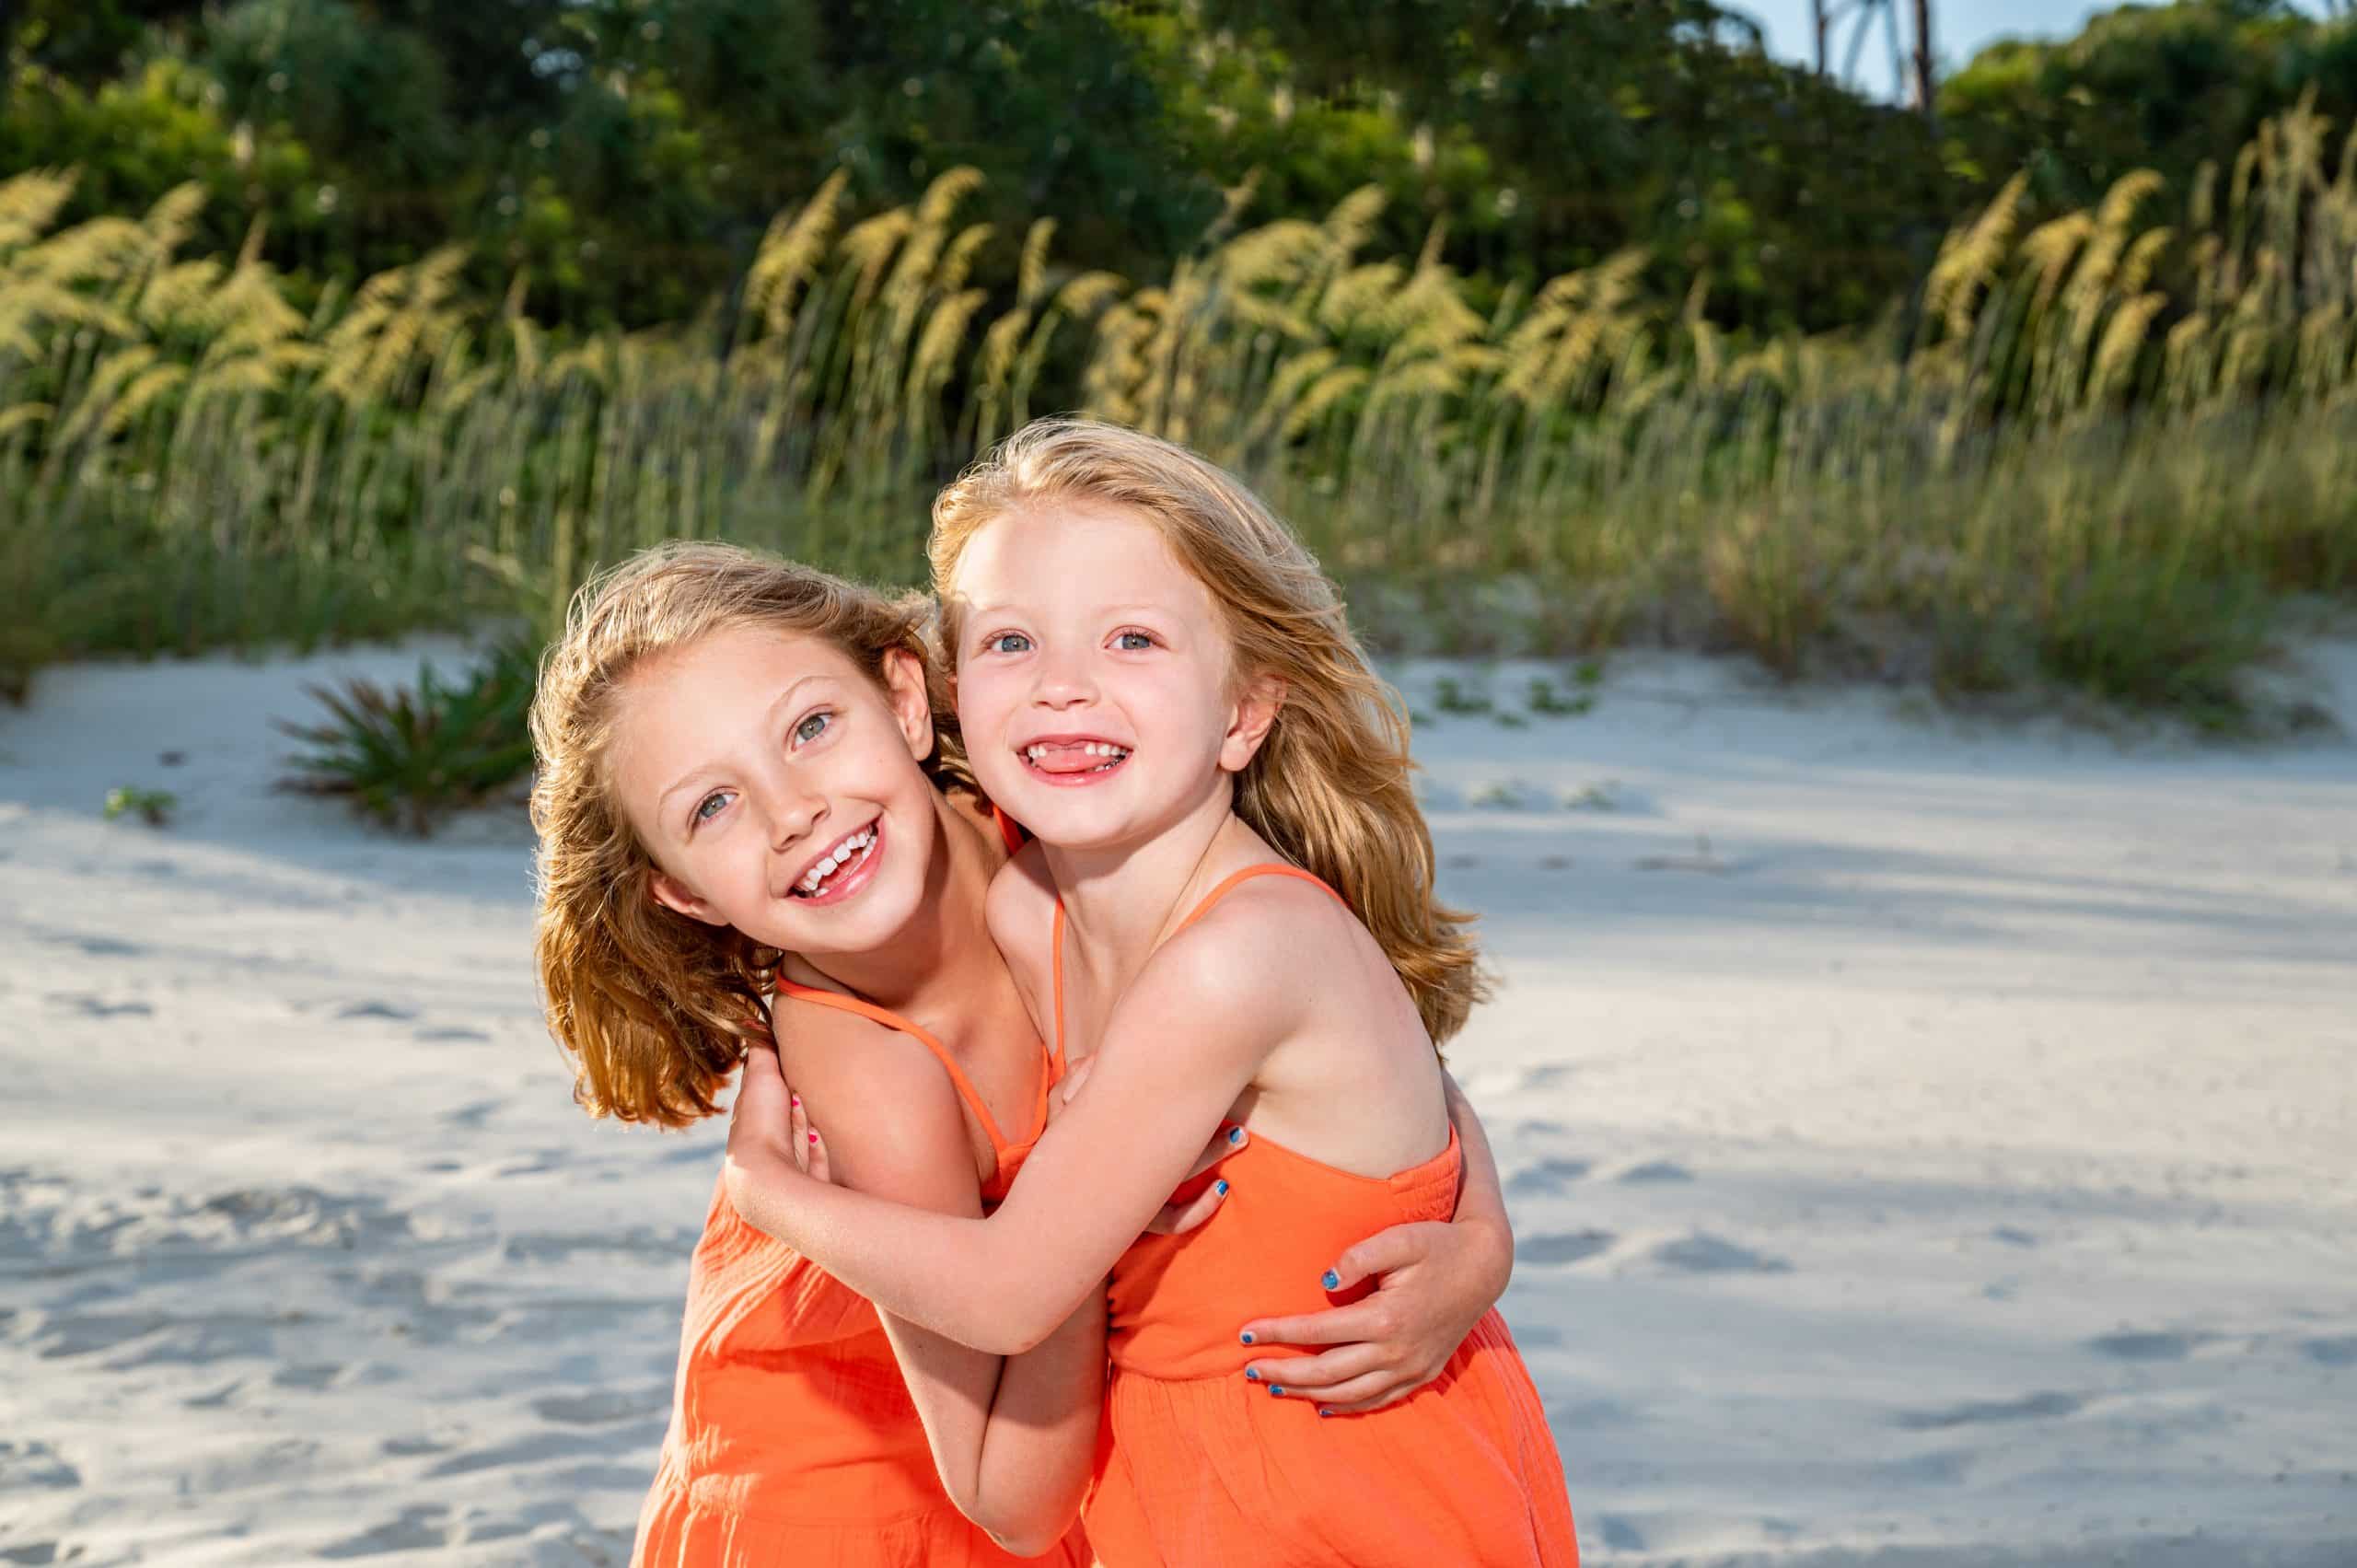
(1955,1164)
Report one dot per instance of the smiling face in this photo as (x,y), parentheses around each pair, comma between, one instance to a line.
(778,788)
(1094,681)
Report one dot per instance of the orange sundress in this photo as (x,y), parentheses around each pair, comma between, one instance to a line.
(794,1441)
(1196,1467)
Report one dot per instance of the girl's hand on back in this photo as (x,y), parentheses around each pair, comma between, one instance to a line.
(1436,1280)
(770,1138)
(1180,1214)
(810,1148)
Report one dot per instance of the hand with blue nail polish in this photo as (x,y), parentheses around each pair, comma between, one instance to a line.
(1187,1210)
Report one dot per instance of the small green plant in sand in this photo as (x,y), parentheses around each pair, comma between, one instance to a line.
(1451,695)
(1605,796)
(1503,794)
(153,806)
(1546,697)
(408,756)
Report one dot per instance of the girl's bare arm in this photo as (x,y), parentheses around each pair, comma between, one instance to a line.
(1014,1444)
(1182,1044)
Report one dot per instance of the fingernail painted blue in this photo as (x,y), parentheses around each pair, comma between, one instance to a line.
(1251,1374)
(1246,1336)
(1330,1280)
(1220,1188)
(1236,1135)
(1324,1412)
(1276,1387)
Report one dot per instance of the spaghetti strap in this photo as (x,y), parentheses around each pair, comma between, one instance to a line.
(1057,964)
(1238,878)
(1056,935)
(1009,830)
(892,1020)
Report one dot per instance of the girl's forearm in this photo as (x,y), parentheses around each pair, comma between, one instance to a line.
(1480,1198)
(977,1281)
(1041,1445)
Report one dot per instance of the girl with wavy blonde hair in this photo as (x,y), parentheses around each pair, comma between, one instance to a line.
(1227,911)
(758,833)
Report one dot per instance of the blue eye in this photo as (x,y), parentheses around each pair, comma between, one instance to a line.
(705,810)
(812,726)
(1000,644)
(1132,642)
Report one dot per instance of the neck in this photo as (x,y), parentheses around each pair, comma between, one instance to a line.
(944,952)
(1120,902)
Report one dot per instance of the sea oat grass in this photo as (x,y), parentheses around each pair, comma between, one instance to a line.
(2113,438)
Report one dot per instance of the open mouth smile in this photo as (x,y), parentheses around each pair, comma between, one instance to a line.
(1068,760)
(846,866)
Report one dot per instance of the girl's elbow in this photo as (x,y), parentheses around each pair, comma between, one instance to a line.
(1012,1325)
(1032,1532)
(1010,1336)
(1024,1543)
(1018,1532)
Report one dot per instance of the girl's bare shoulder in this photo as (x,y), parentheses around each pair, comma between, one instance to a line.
(1021,909)
(884,1101)
(1266,941)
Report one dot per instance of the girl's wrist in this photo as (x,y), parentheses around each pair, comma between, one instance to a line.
(1490,1250)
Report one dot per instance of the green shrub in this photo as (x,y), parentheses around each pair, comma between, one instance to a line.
(406,757)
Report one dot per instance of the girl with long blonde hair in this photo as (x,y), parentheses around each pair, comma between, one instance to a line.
(758,831)
(1229,912)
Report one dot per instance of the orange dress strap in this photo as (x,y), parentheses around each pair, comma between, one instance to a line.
(892,1020)
(1009,830)
(1226,884)
(1236,879)
(1056,966)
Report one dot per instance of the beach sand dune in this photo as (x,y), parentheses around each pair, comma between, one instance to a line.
(1930,1144)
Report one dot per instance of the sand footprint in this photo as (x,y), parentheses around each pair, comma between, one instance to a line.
(2140,1345)
(1547,1177)
(416,1527)
(596,1407)
(1979,1413)
(1702,1254)
(1562,1246)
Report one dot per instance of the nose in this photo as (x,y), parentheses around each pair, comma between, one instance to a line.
(1063,679)
(791,810)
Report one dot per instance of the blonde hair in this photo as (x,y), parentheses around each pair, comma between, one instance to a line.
(654,1007)
(1329,787)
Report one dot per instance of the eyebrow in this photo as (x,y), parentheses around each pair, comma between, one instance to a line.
(784,699)
(982,612)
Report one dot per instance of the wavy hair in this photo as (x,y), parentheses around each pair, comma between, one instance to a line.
(1330,788)
(654,1008)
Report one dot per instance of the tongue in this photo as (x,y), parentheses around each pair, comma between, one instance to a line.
(1068,759)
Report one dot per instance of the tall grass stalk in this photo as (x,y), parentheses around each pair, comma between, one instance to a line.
(2109,441)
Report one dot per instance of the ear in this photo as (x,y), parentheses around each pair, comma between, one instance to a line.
(673,894)
(904,689)
(1248,727)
